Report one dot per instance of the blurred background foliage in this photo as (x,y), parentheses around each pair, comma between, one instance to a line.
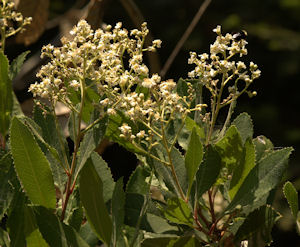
(273,28)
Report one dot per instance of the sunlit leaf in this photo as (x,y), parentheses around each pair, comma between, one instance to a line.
(32,166)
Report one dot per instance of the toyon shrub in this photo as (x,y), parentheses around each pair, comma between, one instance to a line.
(199,182)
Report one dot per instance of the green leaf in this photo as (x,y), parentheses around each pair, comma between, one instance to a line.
(182,88)
(244,125)
(170,241)
(55,232)
(7,174)
(90,141)
(245,166)
(291,195)
(137,181)
(88,235)
(118,214)
(255,189)
(190,124)
(16,220)
(105,175)
(184,242)
(33,236)
(6,99)
(32,167)
(193,158)
(76,218)
(209,170)
(16,65)
(49,135)
(165,171)
(16,110)
(263,146)
(258,223)
(4,238)
(159,224)
(178,211)
(91,194)
(230,148)
(149,222)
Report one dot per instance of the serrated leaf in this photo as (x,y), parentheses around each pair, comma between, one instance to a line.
(49,135)
(178,211)
(208,171)
(244,125)
(16,110)
(91,195)
(260,222)
(182,87)
(7,174)
(55,232)
(118,214)
(255,189)
(33,236)
(90,141)
(16,223)
(16,64)
(165,171)
(6,99)
(190,124)
(263,146)
(137,181)
(230,148)
(88,235)
(291,195)
(193,158)
(76,218)
(149,221)
(105,175)
(245,166)
(32,167)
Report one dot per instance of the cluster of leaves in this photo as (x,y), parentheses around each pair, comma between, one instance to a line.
(187,191)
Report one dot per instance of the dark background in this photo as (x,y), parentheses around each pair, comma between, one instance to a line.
(274,44)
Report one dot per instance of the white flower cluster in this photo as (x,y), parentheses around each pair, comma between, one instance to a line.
(112,60)
(8,15)
(218,66)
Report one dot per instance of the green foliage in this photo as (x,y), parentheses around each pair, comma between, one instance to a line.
(193,157)
(196,186)
(7,177)
(118,214)
(209,170)
(55,232)
(32,166)
(90,141)
(255,189)
(291,195)
(244,125)
(93,202)
(6,100)
(178,211)
(230,148)
(258,224)
(16,65)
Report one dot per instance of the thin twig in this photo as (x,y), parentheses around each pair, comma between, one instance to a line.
(137,18)
(184,37)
